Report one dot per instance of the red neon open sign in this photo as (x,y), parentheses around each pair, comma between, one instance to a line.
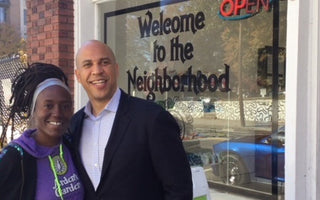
(231,9)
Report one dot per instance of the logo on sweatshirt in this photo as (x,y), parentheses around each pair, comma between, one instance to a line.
(60,165)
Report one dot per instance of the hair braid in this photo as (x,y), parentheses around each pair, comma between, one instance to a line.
(23,88)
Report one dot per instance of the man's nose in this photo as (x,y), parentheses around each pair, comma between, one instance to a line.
(97,69)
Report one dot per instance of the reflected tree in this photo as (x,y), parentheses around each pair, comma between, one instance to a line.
(10,41)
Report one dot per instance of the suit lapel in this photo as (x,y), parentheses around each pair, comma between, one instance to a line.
(119,128)
(77,129)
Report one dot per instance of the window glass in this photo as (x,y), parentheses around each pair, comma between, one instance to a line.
(4,4)
(25,14)
(219,68)
(2,14)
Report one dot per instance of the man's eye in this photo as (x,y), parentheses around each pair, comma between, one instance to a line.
(49,106)
(105,62)
(86,65)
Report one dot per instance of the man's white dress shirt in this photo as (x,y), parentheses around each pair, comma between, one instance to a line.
(95,135)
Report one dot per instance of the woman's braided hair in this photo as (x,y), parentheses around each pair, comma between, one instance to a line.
(23,88)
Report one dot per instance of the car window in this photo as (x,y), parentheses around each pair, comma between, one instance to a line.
(281,138)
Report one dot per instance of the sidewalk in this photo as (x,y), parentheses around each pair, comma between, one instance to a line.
(223,195)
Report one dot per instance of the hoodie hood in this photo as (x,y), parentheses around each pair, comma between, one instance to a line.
(29,144)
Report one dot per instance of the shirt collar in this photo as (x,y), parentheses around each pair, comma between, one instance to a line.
(112,106)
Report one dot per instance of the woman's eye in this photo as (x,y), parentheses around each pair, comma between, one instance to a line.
(67,106)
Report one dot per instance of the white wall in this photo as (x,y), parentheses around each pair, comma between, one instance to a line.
(84,30)
(302,96)
(87,27)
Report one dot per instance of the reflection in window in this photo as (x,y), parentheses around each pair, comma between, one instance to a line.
(25,17)
(228,136)
(4,4)
(2,14)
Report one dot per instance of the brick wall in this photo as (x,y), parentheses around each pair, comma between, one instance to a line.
(51,34)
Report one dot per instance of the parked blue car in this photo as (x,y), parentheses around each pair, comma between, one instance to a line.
(242,160)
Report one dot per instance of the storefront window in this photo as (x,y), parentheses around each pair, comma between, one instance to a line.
(2,14)
(4,4)
(219,68)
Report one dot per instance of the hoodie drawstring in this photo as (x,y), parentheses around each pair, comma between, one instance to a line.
(55,172)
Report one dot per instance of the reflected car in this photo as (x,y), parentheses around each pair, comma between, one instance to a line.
(247,159)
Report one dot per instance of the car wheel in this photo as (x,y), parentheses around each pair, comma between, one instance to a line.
(234,172)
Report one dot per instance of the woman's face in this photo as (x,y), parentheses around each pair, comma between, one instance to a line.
(52,114)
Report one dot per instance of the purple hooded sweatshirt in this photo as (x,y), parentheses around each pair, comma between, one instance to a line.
(71,187)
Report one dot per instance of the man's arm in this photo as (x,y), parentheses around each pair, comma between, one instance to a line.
(169,158)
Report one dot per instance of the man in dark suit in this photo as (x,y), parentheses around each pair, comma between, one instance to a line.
(126,148)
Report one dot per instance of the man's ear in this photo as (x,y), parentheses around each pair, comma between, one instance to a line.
(76,72)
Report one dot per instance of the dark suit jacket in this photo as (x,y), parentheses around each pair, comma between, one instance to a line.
(144,157)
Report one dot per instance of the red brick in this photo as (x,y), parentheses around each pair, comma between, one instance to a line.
(28,4)
(48,34)
(63,34)
(41,22)
(48,41)
(48,49)
(48,27)
(56,61)
(63,48)
(34,10)
(66,41)
(41,7)
(40,29)
(63,19)
(48,14)
(48,5)
(70,20)
(34,44)
(49,55)
(51,34)
(40,2)
(41,43)
(34,50)
(34,17)
(55,26)
(55,19)
(55,33)
(66,55)
(70,49)
(55,48)
(68,12)
(66,27)
(42,57)
(41,15)
(34,57)
(55,40)
(42,50)
(48,21)
(41,36)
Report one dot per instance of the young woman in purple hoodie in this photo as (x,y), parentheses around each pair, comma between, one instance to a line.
(38,165)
